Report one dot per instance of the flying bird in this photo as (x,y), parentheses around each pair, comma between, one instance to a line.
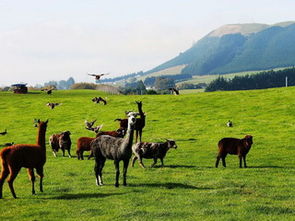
(97,76)
(89,124)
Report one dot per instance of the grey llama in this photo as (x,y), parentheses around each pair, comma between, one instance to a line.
(113,148)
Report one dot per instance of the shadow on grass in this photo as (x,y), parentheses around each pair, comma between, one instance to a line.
(271,167)
(189,139)
(166,185)
(35,92)
(84,196)
(174,166)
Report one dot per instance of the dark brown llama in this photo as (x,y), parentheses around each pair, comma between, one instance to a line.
(29,156)
(140,122)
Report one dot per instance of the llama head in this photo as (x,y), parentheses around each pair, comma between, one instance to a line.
(171,143)
(131,119)
(128,113)
(42,124)
(248,141)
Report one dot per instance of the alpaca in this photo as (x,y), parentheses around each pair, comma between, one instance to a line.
(83,144)
(150,150)
(117,149)
(61,141)
(24,155)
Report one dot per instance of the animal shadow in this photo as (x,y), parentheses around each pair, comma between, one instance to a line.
(77,196)
(175,166)
(165,185)
(187,140)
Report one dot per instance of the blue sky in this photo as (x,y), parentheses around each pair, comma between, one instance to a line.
(53,40)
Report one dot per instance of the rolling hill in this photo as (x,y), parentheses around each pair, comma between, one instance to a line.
(236,48)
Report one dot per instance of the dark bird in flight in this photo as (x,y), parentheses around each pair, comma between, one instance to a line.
(97,76)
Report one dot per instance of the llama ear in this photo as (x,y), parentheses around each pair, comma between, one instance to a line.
(38,121)
(46,121)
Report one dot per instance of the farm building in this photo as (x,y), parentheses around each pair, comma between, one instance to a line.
(19,88)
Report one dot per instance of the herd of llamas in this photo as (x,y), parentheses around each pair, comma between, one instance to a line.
(115,145)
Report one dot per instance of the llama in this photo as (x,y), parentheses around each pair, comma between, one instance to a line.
(83,143)
(4,132)
(151,151)
(61,141)
(24,155)
(235,146)
(117,149)
(140,123)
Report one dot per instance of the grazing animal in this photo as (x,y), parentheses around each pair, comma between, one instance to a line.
(31,156)
(116,149)
(140,122)
(61,141)
(150,150)
(99,99)
(83,144)
(53,105)
(174,91)
(4,132)
(89,124)
(229,124)
(234,146)
(97,76)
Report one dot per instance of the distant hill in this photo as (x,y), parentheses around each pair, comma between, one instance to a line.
(236,48)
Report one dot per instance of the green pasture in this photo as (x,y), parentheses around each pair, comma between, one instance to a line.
(188,187)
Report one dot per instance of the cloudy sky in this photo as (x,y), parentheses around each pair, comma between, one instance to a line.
(42,40)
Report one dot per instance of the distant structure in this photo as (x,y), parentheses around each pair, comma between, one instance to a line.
(19,88)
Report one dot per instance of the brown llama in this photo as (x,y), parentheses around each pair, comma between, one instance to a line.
(29,156)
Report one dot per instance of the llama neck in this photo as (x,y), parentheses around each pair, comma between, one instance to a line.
(128,139)
(41,137)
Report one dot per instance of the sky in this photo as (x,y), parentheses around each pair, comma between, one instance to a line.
(43,40)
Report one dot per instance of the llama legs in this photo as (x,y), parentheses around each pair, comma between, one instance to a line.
(13,174)
(4,175)
(155,161)
(117,167)
(33,178)
(98,171)
(40,172)
(70,156)
(126,163)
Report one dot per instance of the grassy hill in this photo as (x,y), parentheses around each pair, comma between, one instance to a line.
(188,187)
(236,48)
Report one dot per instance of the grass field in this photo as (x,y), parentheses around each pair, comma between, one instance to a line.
(188,187)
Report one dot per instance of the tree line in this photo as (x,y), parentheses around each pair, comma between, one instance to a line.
(262,80)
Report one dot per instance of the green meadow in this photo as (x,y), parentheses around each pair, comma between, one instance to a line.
(188,187)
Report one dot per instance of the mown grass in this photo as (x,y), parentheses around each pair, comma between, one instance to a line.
(188,187)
